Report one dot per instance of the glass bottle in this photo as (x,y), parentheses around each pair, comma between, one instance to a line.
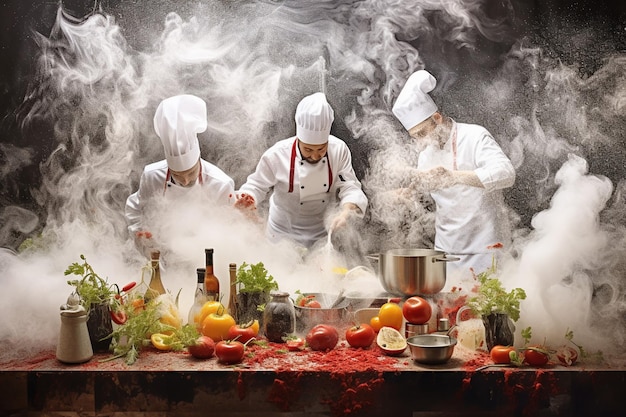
(232,299)
(211,283)
(199,298)
(279,317)
(155,288)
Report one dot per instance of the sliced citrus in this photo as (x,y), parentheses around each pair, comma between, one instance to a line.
(391,341)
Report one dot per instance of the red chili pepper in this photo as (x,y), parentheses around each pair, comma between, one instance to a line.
(118,317)
(129,286)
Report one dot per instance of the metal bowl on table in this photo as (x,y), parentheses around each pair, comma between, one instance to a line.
(333,312)
(408,272)
(431,349)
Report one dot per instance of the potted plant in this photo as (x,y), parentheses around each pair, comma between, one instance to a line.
(497,308)
(96,296)
(254,284)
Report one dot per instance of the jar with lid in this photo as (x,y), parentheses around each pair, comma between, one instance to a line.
(279,317)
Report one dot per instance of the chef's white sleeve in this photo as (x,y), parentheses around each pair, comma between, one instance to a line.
(494,168)
(349,187)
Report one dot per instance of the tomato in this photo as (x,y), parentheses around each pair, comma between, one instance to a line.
(229,351)
(217,325)
(375,323)
(203,348)
(294,344)
(245,332)
(501,354)
(309,301)
(207,308)
(416,310)
(390,315)
(119,316)
(536,355)
(322,337)
(567,355)
(161,341)
(360,336)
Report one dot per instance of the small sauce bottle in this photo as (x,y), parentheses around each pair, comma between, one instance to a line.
(155,288)
(198,300)
(211,283)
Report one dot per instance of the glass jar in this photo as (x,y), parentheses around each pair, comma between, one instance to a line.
(279,317)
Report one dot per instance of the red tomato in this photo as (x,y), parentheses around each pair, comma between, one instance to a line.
(309,301)
(536,355)
(501,354)
(229,351)
(360,336)
(313,304)
(203,348)
(118,316)
(416,310)
(322,337)
(245,332)
(567,355)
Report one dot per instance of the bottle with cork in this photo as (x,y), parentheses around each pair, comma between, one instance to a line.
(199,298)
(155,288)
(232,299)
(211,282)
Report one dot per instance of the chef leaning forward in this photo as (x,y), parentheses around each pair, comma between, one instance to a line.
(308,173)
(177,121)
(464,169)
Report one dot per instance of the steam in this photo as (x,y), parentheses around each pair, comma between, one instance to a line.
(98,83)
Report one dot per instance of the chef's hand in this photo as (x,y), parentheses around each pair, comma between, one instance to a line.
(245,202)
(340,220)
(144,242)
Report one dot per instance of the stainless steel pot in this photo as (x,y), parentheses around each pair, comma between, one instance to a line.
(408,272)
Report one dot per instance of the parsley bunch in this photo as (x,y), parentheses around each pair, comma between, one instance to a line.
(255,278)
(493,298)
(91,288)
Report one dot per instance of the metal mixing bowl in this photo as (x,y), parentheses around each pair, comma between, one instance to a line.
(431,348)
(307,317)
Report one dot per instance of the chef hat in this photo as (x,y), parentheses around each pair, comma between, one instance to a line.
(177,121)
(414,105)
(314,116)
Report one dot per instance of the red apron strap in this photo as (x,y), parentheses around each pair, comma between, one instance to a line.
(330,173)
(292,168)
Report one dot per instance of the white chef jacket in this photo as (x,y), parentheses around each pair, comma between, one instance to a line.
(469,219)
(299,214)
(155,182)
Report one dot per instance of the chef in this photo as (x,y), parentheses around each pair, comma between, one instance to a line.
(308,174)
(177,121)
(464,170)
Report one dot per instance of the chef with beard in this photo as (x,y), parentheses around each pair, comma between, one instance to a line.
(464,170)
(307,175)
(182,174)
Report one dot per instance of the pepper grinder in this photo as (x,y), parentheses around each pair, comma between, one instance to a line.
(74,344)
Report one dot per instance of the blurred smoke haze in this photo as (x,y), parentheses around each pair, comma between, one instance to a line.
(80,132)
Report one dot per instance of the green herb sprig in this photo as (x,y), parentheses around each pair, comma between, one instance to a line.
(255,278)
(493,298)
(91,288)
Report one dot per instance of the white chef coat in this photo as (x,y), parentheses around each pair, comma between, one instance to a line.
(299,214)
(469,219)
(155,182)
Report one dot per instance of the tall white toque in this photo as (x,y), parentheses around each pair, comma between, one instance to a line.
(414,105)
(314,117)
(177,122)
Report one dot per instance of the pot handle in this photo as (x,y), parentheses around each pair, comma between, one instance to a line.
(445,258)
(373,257)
